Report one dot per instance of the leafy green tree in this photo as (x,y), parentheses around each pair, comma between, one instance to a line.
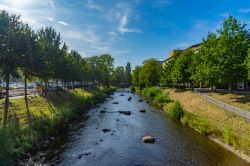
(10,26)
(49,49)
(167,68)
(181,72)
(135,76)
(248,63)
(119,76)
(150,72)
(128,74)
(232,46)
(205,63)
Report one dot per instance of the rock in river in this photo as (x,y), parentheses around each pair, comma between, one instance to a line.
(129,98)
(143,111)
(125,112)
(106,130)
(122,95)
(148,139)
(140,100)
(115,102)
(102,111)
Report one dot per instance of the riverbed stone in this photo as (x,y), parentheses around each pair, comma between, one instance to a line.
(142,110)
(148,139)
(115,102)
(129,98)
(125,112)
(122,94)
(140,100)
(102,111)
(106,130)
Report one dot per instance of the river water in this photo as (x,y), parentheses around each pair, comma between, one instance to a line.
(84,143)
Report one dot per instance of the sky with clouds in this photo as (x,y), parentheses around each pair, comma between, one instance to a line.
(130,30)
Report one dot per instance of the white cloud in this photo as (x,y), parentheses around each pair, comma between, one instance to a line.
(87,36)
(121,16)
(246,10)
(48,18)
(122,28)
(62,23)
(90,5)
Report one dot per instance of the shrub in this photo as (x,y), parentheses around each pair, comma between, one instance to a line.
(228,135)
(202,126)
(132,88)
(151,92)
(175,110)
(161,98)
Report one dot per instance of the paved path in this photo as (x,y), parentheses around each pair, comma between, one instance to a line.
(235,110)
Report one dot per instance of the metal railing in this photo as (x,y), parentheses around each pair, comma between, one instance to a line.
(235,110)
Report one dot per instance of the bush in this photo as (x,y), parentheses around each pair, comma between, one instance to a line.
(132,89)
(151,92)
(228,135)
(175,110)
(161,98)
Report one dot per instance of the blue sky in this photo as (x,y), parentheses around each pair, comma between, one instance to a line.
(130,30)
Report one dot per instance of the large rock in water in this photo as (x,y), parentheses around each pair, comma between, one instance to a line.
(115,102)
(125,112)
(106,130)
(148,139)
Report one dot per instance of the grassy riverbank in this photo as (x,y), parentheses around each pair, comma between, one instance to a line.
(238,100)
(44,116)
(206,118)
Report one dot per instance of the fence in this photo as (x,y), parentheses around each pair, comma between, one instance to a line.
(235,110)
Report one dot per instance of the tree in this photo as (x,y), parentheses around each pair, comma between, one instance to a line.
(180,72)
(232,50)
(166,79)
(204,66)
(135,76)
(27,52)
(128,74)
(149,74)
(119,75)
(248,63)
(49,49)
(10,26)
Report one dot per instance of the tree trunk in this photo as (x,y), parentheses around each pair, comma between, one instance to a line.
(26,102)
(200,84)
(25,90)
(230,86)
(6,103)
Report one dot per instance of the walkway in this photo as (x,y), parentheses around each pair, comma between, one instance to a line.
(235,110)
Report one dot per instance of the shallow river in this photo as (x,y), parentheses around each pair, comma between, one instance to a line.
(84,143)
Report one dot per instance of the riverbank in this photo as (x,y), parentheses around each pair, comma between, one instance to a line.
(208,119)
(35,125)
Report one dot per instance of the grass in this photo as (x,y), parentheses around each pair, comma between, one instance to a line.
(27,127)
(237,100)
(211,120)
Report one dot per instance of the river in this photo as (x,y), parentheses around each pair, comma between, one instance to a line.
(84,143)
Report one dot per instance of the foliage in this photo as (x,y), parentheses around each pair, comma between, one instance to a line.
(175,110)
(161,98)
(151,92)
(228,135)
(148,74)
(220,60)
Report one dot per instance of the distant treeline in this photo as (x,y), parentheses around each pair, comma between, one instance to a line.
(44,56)
(221,60)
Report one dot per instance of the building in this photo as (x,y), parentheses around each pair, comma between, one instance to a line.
(173,53)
